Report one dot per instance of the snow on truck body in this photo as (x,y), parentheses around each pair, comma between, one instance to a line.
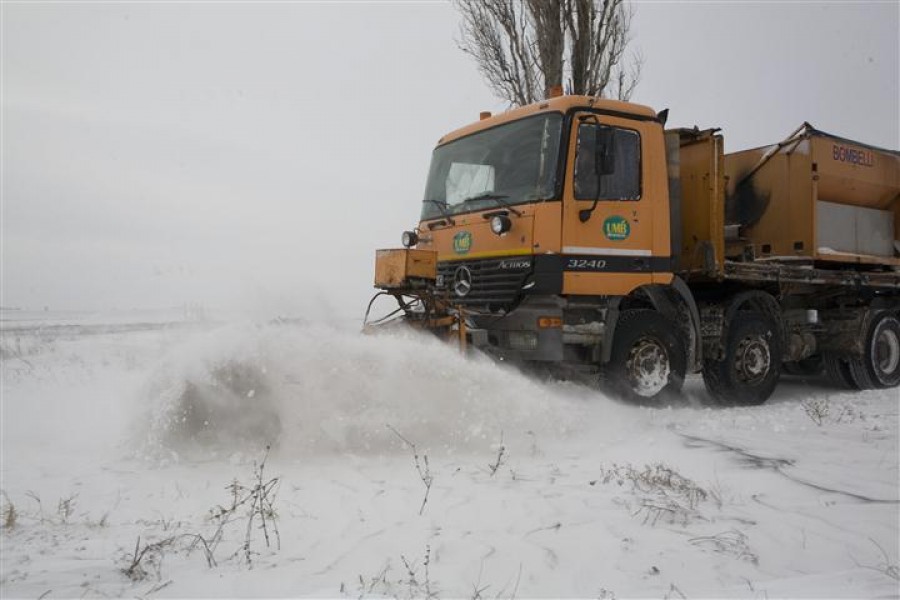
(580,235)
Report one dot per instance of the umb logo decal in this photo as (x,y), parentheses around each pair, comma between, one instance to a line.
(616,228)
(462,242)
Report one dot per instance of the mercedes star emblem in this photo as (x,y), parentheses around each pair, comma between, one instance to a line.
(462,281)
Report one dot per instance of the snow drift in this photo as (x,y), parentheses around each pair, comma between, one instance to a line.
(313,389)
(588,498)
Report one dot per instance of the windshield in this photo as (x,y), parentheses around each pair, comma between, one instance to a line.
(509,164)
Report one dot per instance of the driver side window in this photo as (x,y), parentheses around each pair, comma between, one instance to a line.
(607,163)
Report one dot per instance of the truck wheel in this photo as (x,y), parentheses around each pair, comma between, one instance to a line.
(838,372)
(749,372)
(881,357)
(648,359)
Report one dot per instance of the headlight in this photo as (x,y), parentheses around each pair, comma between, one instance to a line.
(500,224)
(409,239)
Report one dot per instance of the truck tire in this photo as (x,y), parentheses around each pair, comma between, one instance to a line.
(880,361)
(648,358)
(859,372)
(749,372)
(838,371)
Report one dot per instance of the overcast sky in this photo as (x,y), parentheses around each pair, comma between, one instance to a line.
(254,155)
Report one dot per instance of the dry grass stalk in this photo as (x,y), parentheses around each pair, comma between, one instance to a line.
(424,472)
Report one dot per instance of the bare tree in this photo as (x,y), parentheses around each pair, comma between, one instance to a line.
(524,48)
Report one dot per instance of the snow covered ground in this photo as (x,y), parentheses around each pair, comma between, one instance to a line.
(124,440)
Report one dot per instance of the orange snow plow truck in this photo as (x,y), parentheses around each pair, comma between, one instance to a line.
(579,235)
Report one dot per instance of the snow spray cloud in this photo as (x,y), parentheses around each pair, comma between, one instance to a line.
(315,389)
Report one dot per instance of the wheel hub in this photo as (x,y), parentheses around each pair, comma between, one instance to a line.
(648,367)
(752,359)
(887,351)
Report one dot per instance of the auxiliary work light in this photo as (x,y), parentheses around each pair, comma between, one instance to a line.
(500,224)
(409,239)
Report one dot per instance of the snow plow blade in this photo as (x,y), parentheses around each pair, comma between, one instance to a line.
(409,276)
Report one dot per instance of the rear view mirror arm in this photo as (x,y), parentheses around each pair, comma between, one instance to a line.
(585,214)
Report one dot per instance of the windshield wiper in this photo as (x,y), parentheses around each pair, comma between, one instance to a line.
(442,206)
(500,199)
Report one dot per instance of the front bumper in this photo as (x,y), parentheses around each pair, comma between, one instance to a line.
(531,332)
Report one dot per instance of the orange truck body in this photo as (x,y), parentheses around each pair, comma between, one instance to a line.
(516,229)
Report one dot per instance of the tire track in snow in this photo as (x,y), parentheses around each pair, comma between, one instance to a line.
(779,465)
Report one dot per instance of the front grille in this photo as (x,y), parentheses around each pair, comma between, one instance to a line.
(496,283)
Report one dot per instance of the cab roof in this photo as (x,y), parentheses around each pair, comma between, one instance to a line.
(562,104)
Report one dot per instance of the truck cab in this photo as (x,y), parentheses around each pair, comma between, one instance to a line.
(574,189)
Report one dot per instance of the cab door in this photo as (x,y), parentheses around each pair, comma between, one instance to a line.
(615,234)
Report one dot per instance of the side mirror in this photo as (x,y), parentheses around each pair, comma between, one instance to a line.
(604,150)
